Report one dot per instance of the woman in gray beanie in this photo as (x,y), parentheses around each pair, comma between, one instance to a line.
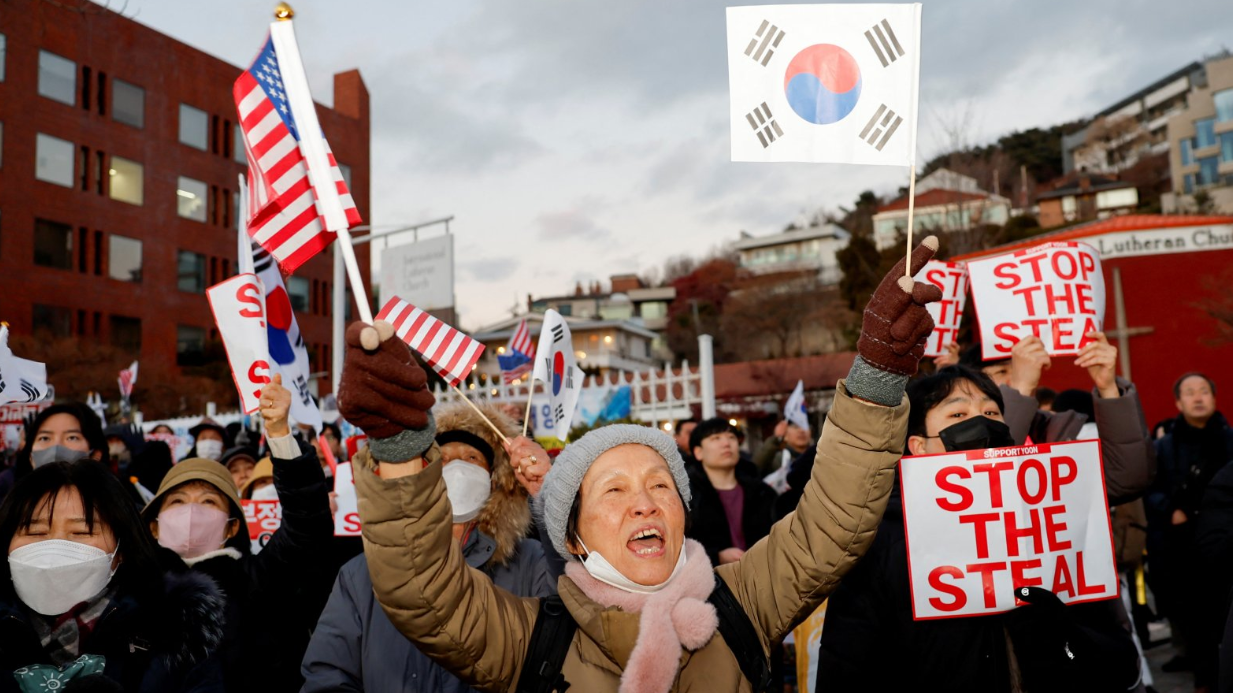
(641,596)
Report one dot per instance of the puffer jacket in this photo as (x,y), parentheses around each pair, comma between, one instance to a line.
(457,616)
(356,648)
(1126,448)
(154,641)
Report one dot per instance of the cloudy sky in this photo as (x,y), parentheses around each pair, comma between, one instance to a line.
(575,139)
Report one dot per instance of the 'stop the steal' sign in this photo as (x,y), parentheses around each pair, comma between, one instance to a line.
(239,309)
(1054,291)
(982,523)
(947,314)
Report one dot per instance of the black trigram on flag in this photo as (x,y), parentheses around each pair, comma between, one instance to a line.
(764,125)
(766,41)
(558,333)
(882,39)
(880,127)
(31,392)
(559,413)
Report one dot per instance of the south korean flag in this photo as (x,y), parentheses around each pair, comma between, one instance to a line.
(824,83)
(21,380)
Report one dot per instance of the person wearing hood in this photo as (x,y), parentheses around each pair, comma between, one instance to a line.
(642,599)
(1043,646)
(355,646)
(210,439)
(60,433)
(124,443)
(86,604)
(197,514)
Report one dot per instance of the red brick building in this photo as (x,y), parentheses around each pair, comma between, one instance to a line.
(119,155)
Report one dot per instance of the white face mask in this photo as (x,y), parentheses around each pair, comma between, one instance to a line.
(54,575)
(468,487)
(266,493)
(210,449)
(600,569)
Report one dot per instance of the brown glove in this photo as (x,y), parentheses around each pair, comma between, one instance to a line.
(896,323)
(383,390)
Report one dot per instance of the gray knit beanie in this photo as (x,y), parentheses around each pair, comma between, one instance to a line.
(561,484)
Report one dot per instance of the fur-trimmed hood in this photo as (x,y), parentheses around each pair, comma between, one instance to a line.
(506,515)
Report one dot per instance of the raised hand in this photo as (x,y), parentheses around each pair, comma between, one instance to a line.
(896,322)
(275,403)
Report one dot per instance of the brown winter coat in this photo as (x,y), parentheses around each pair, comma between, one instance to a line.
(457,617)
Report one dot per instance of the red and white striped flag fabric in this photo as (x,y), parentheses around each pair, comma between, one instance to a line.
(283,211)
(519,358)
(127,379)
(451,353)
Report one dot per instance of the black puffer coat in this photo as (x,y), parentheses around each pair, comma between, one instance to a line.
(154,641)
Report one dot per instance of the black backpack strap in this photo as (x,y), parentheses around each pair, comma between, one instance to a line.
(739,634)
(550,640)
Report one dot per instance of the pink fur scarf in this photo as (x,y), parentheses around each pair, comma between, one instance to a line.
(677,616)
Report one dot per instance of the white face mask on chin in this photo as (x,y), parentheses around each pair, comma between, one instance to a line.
(600,569)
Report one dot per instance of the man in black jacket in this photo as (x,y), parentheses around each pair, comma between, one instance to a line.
(731,511)
(1043,646)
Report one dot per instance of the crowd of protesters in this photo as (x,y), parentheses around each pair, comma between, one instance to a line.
(631,561)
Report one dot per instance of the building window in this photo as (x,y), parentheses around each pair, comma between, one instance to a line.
(53,160)
(53,244)
(126,180)
(653,310)
(1208,171)
(190,345)
(57,78)
(125,333)
(1226,147)
(124,259)
(1186,151)
(194,127)
(191,272)
(55,320)
(1204,133)
(128,103)
(238,150)
(3,44)
(1224,105)
(298,290)
(191,199)
(1188,183)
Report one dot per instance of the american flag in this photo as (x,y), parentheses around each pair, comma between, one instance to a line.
(282,205)
(127,379)
(451,353)
(519,358)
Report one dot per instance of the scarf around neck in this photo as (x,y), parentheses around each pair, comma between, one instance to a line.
(674,618)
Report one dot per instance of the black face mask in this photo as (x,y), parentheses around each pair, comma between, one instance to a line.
(976,433)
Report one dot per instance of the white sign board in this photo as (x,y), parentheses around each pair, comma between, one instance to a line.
(947,314)
(982,523)
(239,310)
(347,518)
(421,273)
(1055,291)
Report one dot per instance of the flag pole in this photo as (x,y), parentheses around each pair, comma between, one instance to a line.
(526,418)
(482,415)
(312,142)
(916,11)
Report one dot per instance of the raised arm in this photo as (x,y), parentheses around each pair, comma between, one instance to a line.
(453,613)
(784,577)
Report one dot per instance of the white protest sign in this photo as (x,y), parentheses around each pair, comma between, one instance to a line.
(347,517)
(420,273)
(239,310)
(1054,291)
(980,524)
(947,314)
(263,518)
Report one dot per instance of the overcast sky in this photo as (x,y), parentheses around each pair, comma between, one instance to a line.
(575,139)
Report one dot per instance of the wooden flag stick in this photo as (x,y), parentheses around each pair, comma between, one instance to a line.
(526,418)
(482,415)
(911,207)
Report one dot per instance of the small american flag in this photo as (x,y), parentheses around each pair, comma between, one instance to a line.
(451,353)
(127,379)
(282,206)
(519,358)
